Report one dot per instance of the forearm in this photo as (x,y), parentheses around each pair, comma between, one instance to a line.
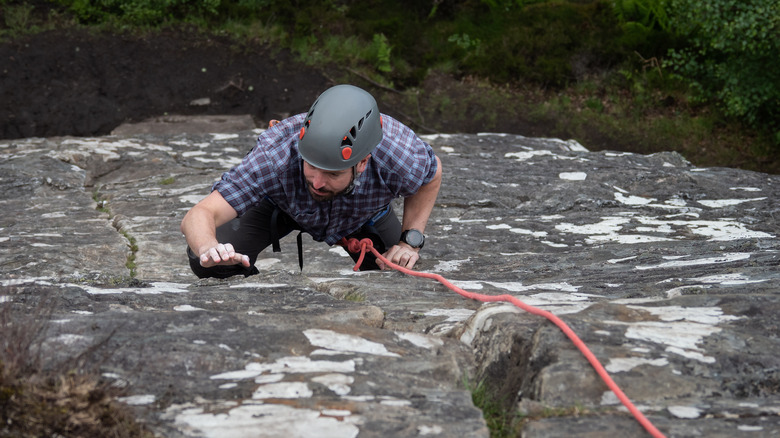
(418,207)
(200,223)
(199,229)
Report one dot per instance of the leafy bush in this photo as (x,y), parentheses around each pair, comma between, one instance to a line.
(732,56)
(140,12)
(551,43)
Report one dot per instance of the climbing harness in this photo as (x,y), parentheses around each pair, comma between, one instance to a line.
(365,245)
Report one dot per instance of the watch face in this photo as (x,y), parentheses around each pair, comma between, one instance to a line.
(414,238)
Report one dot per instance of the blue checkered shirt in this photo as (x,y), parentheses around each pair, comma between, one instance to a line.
(399,166)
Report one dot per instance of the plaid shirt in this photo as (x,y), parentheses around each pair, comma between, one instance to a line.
(399,166)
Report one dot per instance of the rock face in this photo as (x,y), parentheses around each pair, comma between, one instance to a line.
(669,273)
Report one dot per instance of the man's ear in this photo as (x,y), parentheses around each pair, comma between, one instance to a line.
(361,165)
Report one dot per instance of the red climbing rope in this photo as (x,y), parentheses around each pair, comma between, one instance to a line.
(364,245)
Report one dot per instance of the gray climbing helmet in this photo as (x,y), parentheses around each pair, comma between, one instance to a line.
(342,127)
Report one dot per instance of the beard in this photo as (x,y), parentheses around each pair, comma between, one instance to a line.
(328,195)
(322,195)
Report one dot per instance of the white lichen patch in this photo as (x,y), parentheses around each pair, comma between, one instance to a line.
(222,137)
(558,303)
(71,339)
(720,230)
(573,176)
(449,265)
(623,364)
(283,390)
(725,258)
(687,412)
(527,155)
(453,315)
(630,229)
(265,420)
(607,226)
(426,430)
(749,428)
(468,285)
(703,315)
(466,221)
(154,288)
(420,340)
(335,341)
(186,308)
(288,365)
(624,259)
(338,383)
(632,200)
(520,287)
(339,250)
(735,279)
(627,239)
(269,378)
(680,337)
(387,400)
(138,400)
(720,203)
(258,285)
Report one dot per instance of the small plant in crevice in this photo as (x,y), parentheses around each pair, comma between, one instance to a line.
(103,206)
(502,423)
(133,246)
(102,203)
(346,293)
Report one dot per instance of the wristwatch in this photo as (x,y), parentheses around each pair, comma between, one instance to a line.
(413,238)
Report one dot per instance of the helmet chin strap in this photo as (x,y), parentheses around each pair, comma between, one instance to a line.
(352,184)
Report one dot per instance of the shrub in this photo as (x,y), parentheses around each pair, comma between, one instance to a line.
(139,12)
(732,56)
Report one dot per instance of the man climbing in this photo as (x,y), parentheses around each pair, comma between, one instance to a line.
(331,173)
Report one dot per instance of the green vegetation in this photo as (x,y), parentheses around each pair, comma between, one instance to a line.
(132,245)
(506,424)
(102,205)
(732,56)
(701,77)
(502,424)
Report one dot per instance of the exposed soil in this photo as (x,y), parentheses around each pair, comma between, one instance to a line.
(81,84)
(85,84)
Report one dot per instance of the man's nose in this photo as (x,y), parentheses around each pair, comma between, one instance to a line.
(318,180)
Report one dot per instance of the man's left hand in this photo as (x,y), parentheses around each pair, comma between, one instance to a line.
(402,255)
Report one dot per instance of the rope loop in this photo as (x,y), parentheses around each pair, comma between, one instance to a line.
(361,246)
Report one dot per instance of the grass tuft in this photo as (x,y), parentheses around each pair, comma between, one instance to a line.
(51,400)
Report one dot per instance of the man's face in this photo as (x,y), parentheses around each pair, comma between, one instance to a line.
(325,185)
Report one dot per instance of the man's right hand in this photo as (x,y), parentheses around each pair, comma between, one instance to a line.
(222,254)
